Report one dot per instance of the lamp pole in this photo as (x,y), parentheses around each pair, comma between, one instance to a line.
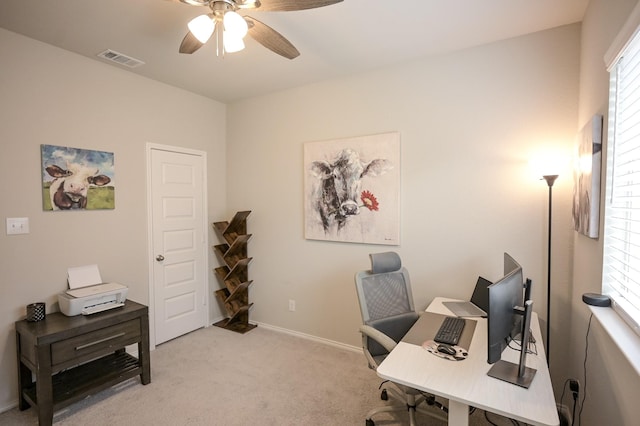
(550,180)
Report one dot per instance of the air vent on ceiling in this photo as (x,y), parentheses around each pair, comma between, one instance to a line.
(128,61)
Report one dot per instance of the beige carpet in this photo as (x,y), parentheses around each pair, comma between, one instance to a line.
(217,377)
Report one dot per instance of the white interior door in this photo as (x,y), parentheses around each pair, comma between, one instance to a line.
(178,243)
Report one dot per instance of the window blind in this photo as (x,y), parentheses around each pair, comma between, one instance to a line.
(621,262)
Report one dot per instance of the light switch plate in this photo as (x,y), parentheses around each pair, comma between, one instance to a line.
(17,225)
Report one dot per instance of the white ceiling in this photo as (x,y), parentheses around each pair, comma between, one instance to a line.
(346,38)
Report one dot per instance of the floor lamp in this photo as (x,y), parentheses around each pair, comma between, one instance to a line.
(550,180)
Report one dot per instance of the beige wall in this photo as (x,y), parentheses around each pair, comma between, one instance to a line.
(50,96)
(469,123)
(612,384)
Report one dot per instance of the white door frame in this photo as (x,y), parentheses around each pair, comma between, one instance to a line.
(150,251)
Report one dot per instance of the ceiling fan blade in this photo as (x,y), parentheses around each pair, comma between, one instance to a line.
(289,5)
(190,44)
(271,39)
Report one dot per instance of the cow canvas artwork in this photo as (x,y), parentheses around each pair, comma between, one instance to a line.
(77,179)
(352,189)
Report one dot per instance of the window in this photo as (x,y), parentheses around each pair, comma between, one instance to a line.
(621,261)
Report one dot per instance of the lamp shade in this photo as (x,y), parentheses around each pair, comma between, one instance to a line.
(232,44)
(235,25)
(202,27)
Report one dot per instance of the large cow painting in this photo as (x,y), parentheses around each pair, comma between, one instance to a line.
(77,179)
(352,189)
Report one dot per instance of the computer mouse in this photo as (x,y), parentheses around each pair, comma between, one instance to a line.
(446,349)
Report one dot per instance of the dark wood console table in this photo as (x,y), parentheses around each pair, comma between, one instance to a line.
(72,357)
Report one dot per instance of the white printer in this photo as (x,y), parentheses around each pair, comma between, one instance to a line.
(87,293)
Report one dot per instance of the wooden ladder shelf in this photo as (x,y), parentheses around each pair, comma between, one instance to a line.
(234,273)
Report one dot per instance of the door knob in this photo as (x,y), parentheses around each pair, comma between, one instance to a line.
(159,258)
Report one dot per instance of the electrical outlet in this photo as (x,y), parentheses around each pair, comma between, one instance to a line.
(574,386)
(292,305)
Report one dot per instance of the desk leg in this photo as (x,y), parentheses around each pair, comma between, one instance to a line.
(143,351)
(24,381)
(458,413)
(24,376)
(44,386)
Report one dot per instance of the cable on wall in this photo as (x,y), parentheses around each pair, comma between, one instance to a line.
(584,368)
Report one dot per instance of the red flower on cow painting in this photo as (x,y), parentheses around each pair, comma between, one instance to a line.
(369,200)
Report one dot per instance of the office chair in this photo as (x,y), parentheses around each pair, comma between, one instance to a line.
(386,304)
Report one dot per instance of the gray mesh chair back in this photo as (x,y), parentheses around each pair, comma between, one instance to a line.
(386,301)
(386,304)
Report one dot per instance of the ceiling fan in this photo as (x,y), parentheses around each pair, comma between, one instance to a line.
(229,27)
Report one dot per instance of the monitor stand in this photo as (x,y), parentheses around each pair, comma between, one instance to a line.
(518,374)
(508,371)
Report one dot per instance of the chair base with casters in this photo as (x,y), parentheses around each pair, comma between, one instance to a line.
(386,304)
(412,406)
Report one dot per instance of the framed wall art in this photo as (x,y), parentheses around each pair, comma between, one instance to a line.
(586,182)
(352,189)
(77,179)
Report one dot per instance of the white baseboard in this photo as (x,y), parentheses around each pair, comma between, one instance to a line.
(333,343)
(11,406)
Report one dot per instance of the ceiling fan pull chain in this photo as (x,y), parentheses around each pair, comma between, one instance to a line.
(219,39)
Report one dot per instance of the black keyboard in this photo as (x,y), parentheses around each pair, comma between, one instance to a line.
(450,331)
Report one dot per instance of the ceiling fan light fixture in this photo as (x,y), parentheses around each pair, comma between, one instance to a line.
(232,44)
(202,27)
(229,28)
(196,2)
(235,25)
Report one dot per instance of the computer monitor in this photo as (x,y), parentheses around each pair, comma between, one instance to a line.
(520,318)
(527,291)
(504,295)
(508,317)
(510,264)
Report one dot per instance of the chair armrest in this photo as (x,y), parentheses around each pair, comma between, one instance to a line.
(385,341)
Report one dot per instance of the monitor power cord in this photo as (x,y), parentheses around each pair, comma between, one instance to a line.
(584,369)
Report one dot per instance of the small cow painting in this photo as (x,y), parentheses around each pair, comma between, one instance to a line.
(77,179)
(352,189)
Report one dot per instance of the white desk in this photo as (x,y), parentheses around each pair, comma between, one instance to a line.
(465,383)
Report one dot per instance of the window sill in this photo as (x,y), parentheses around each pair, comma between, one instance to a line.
(624,337)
